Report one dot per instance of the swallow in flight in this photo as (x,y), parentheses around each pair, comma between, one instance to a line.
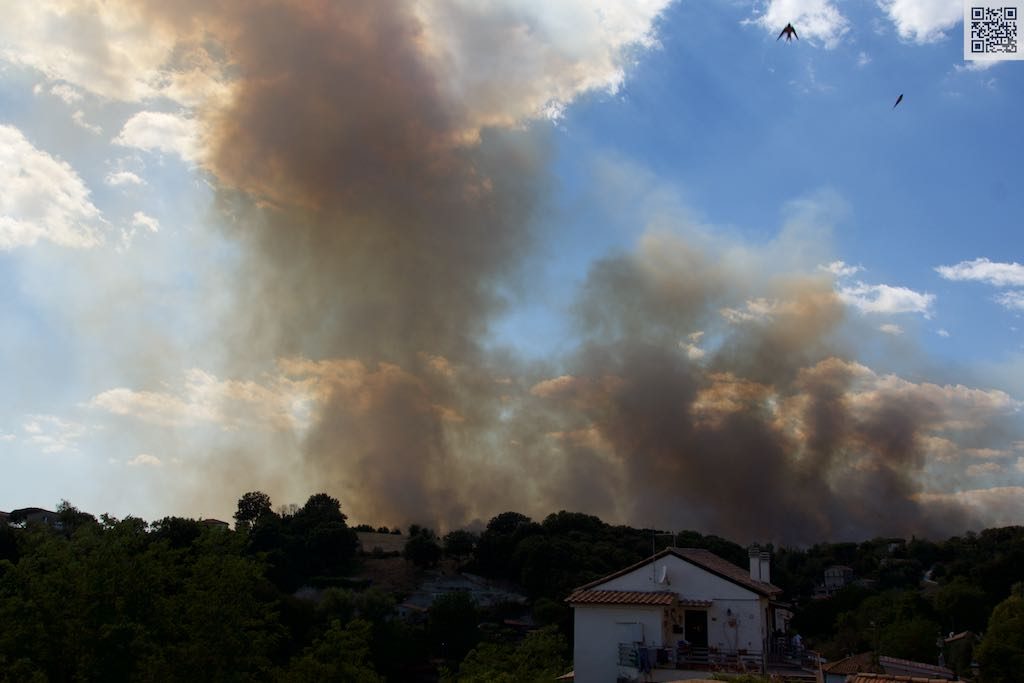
(898,100)
(789,32)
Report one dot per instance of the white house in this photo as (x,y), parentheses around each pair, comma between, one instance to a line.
(675,609)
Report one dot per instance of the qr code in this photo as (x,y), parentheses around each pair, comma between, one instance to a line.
(993,29)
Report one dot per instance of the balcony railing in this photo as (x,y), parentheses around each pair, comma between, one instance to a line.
(645,657)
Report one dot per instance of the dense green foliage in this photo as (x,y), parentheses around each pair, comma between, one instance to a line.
(177,599)
(541,656)
(1001,653)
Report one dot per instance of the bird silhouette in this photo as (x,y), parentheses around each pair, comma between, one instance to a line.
(898,100)
(789,32)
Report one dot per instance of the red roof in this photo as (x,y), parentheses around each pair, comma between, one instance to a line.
(864,662)
(888,668)
(890,678)
(706,560)
(590,597)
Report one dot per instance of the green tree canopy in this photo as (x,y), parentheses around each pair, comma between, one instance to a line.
(1001,652)
(251,507)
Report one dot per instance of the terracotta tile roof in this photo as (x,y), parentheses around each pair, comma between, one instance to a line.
(865,663)
(726,569)
(862,663)
(705,559)
(895,664)
(592,597)
(890,678)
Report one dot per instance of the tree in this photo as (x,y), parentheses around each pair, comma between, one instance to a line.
(540,657)
(179,532)
(962,606)
(320,508)
(341,654)
(71,518)
(423,550)
(452,625)
(1001,652)
(251,507)
(459,543)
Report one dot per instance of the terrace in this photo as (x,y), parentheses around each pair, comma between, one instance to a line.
(638,662)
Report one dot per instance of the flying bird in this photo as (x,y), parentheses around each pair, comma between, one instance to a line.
(789,32)
(898,100)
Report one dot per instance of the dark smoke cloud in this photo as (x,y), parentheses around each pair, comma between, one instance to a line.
(375,226)
(757,440)
(378,231)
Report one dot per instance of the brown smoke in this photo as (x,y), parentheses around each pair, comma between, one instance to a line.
(758,440)
(378,233)
(374,228)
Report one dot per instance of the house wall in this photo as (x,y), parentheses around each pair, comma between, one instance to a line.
(598,630)
(736,617)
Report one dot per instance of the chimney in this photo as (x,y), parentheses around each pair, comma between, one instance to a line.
(755,563)
(765,560)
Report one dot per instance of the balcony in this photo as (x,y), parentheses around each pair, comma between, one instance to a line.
(650,661)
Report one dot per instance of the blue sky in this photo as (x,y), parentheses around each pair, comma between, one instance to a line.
(714,186)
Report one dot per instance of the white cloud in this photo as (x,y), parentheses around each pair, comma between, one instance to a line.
(79,118)
(52,434)
(976,65)
(863,59)
(109,48)
(989,272)
(145,460)
(996,506)
(987,453)
(205,399)
(115,178)
(66,92)
(511,60)
(886,299)
(923,21)
(984,468)
(43,198)
(162,131)
(890,328)
(983,270)
(942,332)
(812,19)
(141,220)
(1014,300)
(841,269)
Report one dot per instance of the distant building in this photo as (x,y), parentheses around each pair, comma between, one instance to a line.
(835,578)
(215,524)
(34,516)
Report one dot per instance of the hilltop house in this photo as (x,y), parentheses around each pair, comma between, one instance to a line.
(836,578)
(215,524)
(33,516)
(680,608)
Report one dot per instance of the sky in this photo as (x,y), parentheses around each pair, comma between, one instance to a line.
(443,259)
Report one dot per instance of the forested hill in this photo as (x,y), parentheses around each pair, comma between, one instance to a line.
(289,596)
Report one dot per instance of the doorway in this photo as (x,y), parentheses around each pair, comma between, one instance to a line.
(696,630)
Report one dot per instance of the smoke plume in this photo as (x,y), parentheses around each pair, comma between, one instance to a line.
(382,179)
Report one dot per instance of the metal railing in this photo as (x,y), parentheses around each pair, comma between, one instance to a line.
(646,657)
